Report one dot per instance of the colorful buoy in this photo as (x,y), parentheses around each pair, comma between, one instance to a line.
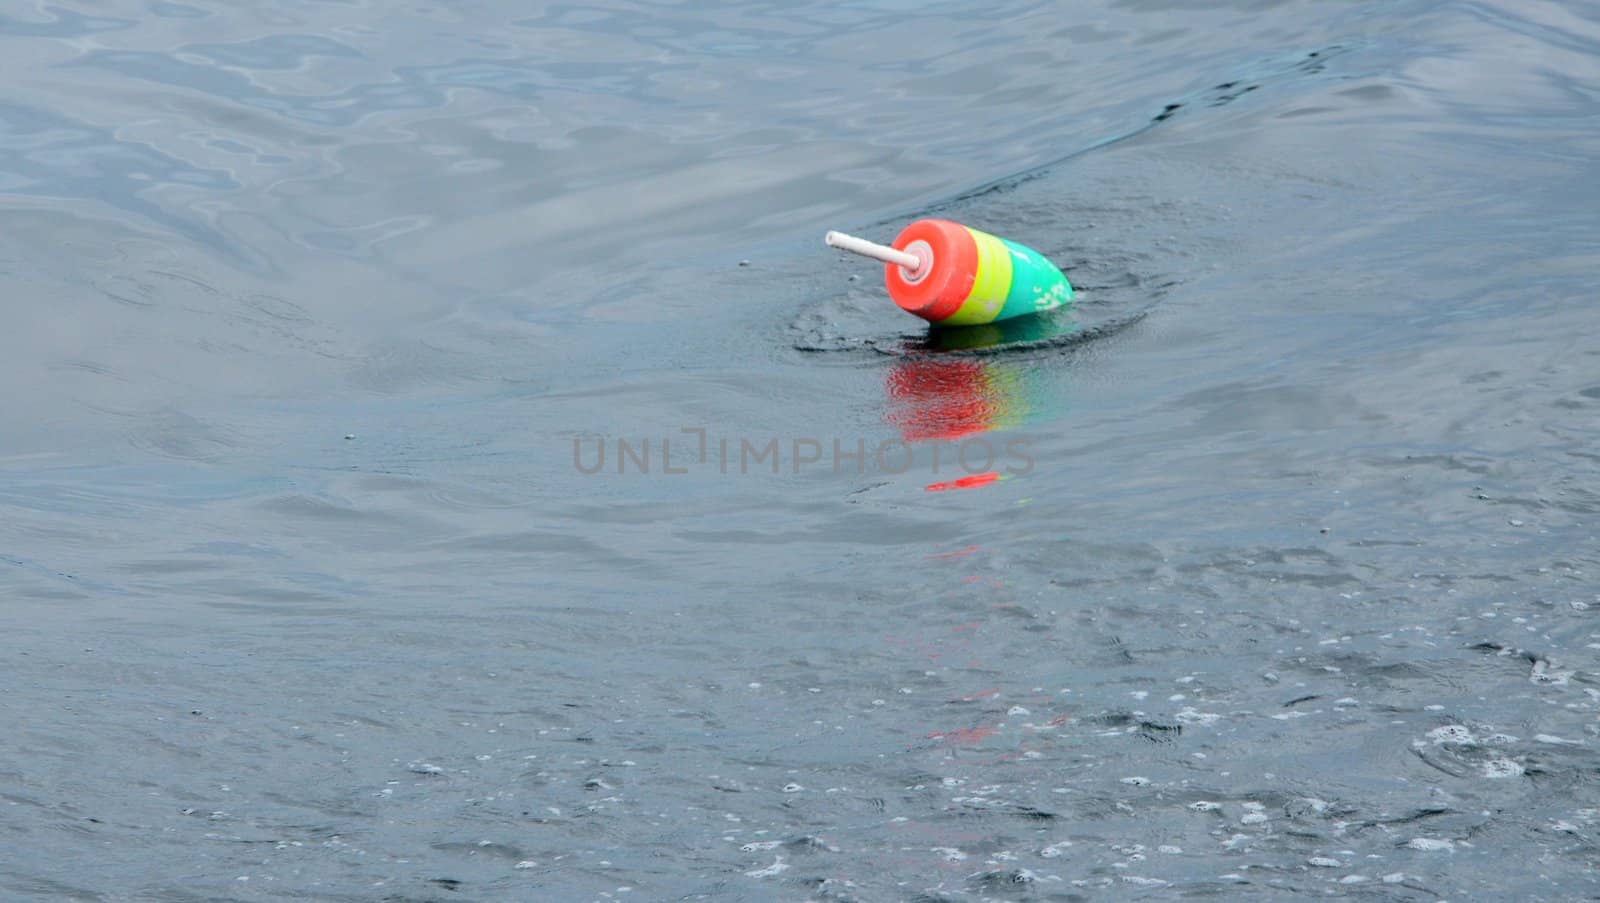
(954,275)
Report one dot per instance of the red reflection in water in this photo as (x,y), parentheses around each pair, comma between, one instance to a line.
(972,482)
(940,398)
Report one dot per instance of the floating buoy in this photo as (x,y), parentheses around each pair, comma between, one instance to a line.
(954,275)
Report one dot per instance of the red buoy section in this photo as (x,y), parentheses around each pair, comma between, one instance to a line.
(945,279)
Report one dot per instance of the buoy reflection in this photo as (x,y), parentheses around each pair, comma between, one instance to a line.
(934,395)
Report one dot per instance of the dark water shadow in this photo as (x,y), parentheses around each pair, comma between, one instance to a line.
(1055,331)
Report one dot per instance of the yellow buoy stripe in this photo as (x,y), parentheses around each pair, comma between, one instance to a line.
(990,286)
(1005,391)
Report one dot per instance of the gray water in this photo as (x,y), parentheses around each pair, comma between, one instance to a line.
(1282,581)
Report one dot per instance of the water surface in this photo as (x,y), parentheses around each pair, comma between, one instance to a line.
(308,308)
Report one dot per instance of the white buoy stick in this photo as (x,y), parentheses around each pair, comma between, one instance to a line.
(908,262)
